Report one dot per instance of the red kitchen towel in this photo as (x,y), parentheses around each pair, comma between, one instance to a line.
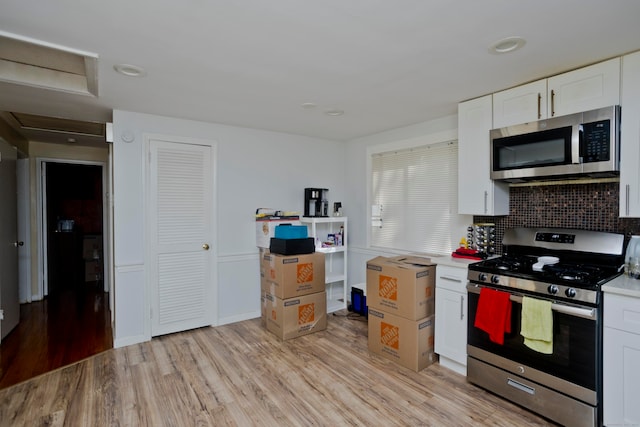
(494,314)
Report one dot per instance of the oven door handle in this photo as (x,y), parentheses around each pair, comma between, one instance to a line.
(586,313)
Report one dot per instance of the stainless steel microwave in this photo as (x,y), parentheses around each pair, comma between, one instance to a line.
(574,145)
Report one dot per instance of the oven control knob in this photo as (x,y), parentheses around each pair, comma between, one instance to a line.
(495,279)
(482,277)
(553,289)
(570,292)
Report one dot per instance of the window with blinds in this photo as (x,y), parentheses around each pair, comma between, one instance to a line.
(414,197)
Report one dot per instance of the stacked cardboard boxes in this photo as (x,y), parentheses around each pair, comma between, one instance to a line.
(92,255)
(293,298)
(401,300)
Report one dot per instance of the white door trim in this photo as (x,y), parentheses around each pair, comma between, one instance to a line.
(24,231)
(148,249)
(41,222)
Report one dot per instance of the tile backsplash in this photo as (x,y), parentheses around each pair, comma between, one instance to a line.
(592,206)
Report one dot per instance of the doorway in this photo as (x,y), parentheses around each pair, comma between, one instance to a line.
(72,216)
(74,227)
(71,320)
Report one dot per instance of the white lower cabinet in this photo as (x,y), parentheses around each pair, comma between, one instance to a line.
(451,317)
(621,359)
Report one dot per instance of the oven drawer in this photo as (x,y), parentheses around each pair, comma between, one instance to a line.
(622,312)
(552,404)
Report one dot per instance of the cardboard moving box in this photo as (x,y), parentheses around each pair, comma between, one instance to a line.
(263,309)
(265,228)
(288,276)
(409,343)
(402,285)
(294,317)
(91,247)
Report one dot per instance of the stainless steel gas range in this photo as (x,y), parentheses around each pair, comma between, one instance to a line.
(559,273)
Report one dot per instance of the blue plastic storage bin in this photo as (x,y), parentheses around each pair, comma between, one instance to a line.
(288,231)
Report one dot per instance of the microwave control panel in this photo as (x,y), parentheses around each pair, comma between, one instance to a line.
(596,140)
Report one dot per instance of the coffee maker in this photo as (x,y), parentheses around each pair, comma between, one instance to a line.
(316,202)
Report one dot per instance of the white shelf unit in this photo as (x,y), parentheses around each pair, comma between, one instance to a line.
(335,257)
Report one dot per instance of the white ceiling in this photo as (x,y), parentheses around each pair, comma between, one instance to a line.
(253,63)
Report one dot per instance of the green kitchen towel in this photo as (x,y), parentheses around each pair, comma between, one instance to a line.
(537,325)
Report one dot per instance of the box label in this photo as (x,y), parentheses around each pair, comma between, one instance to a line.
(290,260)
(424,324)
(306,313)
(388,287)
(376,313)
(422,274)
(390,335)
(305,272)
(374,267)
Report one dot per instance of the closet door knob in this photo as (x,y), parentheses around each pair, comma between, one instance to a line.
(205,247)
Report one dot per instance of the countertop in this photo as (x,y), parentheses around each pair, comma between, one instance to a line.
(454,262)
(623,285)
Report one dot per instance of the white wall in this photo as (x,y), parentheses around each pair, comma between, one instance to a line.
(254,169)
(444,129)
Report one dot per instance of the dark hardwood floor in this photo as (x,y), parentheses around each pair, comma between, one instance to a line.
(55,332)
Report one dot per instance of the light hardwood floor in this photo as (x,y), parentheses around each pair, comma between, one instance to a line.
(241,375)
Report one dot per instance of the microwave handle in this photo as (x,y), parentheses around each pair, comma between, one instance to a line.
(576,144)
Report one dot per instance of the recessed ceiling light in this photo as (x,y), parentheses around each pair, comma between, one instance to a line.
(334,112)
(308,105)
(130,70)
(507,45)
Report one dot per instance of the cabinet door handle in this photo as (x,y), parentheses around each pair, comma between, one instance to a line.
(539,106)
(453,279)
(626,199)
(553,100)
(461,307)
(486,196)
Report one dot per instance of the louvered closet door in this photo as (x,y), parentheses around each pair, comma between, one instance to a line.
(181,208)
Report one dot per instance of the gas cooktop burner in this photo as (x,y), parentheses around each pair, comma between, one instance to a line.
(579,274)
(506,263)
(561,264)
(585,274)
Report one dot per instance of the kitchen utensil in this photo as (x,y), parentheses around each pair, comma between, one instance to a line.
(545,260)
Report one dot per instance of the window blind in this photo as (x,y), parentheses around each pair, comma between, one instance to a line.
(416,189)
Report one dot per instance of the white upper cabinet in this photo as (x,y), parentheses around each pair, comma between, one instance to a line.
(587,88)
(477,193)
(522,104)
(630,137)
